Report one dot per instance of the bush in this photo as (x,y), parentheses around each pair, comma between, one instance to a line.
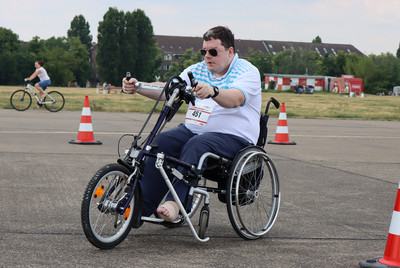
(376,90)
(272,84)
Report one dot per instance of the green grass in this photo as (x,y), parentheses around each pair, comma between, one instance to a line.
(318,105)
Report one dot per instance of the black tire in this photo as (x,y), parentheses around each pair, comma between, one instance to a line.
(104,227)
(203,222)
(54,102)
(21,100)
(254,199)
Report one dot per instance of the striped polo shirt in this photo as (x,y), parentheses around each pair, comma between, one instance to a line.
(242,121)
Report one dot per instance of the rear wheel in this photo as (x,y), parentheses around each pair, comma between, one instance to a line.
(54,101)
(253,202)
(103,224)
(21,100)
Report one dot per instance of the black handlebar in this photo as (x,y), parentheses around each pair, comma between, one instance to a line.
(185,94)
(193,82)
(128,76)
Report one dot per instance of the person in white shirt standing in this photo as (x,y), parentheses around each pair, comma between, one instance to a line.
(43,76)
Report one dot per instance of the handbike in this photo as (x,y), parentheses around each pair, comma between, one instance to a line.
(248,184)
(21,99)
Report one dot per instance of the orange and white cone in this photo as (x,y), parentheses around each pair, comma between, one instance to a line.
(282,130)
(391,257)
(85,133)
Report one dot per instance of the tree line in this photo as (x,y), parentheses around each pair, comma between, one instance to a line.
(126,43)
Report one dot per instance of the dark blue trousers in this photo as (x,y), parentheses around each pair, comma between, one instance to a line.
(181,143)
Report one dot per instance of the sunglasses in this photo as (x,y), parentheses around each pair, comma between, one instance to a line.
(213,52)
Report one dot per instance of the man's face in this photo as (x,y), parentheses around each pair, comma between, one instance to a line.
(218,64)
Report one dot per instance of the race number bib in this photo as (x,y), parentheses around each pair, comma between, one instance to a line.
(198,115)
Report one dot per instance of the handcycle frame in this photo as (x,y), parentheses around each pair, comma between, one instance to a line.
(176,91)
(39,101)
(179,93)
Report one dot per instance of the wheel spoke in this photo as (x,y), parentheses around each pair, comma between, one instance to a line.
(20,100)
(254,201)
(54,101)
(103,225)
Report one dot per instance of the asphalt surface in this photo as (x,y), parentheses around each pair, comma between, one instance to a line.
(338,187)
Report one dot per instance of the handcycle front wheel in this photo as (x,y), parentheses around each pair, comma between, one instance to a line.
(54,101)
(103,226)
(21,100)
(254,199)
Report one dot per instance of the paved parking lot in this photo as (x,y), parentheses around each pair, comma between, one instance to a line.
(338,186)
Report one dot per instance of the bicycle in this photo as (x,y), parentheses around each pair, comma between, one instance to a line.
(21,99)
(248,184)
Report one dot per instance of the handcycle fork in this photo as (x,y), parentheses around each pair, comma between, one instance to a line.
(159,166)
(121,204)
(124,201)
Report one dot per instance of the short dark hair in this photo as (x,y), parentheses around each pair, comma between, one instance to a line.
(40,62)
(222,33)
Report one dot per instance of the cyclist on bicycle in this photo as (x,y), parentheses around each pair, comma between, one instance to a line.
(224,119)
(43,76)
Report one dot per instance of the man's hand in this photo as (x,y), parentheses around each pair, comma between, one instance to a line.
(203,90)
(129,86)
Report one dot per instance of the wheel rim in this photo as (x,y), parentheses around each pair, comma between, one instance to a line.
(57,101)
(256,201)
(106,224)
(21,100)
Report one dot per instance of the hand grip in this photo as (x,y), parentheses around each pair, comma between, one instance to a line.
(193,82)
(128,76)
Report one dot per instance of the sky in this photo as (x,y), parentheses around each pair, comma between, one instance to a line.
(372,26)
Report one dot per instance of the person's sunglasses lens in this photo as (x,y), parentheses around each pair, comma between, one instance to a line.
(213,52)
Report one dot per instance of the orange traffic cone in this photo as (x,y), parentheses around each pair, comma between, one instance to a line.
(391,257)
(85,134)
(282,131)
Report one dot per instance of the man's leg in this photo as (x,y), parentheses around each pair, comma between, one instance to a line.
(153,186)
(221,144)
